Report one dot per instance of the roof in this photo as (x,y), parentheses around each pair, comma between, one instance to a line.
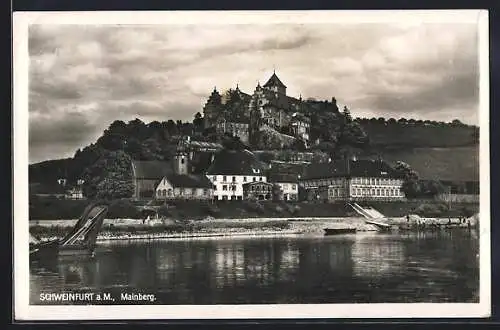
(274,81)
(282,177)
(235,162)
(357,168)
(189,181)
(151,170)
(205,145)
(256,183)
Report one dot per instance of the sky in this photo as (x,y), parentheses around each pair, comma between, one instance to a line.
(83,77)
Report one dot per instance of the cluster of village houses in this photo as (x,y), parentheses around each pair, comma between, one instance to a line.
(233,175)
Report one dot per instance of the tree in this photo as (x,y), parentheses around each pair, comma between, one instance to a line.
(347,115)
(198,123)
(110,177)
(431,188)
(277,193)
(172,128)
(231,142)
(410,186)
(298,145)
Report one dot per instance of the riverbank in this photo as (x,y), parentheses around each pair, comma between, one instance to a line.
(131,229)
(54,209)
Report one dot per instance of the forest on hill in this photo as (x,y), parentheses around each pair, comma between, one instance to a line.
(105,164)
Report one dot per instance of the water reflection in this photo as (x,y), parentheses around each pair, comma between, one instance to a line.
(343,269)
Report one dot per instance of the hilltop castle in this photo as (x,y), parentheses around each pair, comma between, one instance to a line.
(243,115)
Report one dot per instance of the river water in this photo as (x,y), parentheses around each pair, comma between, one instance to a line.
(357,268)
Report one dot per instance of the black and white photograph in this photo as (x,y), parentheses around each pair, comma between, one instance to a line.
(251,164)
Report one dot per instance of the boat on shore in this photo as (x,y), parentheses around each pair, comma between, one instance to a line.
(339,231)
(81,240)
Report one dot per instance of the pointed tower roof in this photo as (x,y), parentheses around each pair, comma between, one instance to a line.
(274,81)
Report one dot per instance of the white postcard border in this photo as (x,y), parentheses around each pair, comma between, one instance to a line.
(25,312)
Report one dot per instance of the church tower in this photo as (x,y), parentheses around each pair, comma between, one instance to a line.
(181,158)
(274,84)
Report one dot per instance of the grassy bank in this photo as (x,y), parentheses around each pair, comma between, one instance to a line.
(53,209)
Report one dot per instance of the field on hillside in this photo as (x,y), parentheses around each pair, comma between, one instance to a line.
(453,164)
(419,136)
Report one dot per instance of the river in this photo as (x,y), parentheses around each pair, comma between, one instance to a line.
(356,268)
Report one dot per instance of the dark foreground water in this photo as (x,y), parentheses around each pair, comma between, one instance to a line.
(359,268)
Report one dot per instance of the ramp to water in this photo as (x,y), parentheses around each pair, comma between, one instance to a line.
(379,224)
(368,212)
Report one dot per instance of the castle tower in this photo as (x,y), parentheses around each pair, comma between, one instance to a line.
(181,158)
(212,108)
(274,84)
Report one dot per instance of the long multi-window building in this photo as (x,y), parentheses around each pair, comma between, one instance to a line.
(352,180)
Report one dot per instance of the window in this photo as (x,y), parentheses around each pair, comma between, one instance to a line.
(372,181)
(224,198)
(224,178)
(233,188)
(182,160)
(378,192)
(214,187)
(234,179)
(252,188)
(244,179)
(358,191)
(254,179)
(214,178)
(205,192)
(294,187)
(224,187)
(373,192)
(260,179)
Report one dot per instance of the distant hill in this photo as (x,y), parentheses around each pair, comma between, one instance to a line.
(447,164)
(448,151)
(419,135)
(49,171)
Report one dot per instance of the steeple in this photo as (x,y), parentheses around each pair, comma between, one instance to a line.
(181,159)
(275,84)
